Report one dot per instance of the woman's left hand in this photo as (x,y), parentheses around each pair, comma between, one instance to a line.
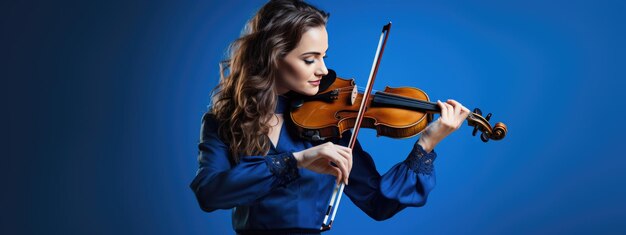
(453,114)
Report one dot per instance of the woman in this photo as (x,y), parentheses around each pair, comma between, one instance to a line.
(251,161)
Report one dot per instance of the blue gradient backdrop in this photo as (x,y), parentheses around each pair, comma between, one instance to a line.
(105,100)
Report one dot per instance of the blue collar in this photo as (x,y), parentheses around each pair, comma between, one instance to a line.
(282,104)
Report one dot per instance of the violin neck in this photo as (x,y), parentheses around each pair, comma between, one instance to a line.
(392,100)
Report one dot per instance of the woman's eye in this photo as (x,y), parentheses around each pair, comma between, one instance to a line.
(308,61)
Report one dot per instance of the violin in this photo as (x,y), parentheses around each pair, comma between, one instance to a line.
(400,112)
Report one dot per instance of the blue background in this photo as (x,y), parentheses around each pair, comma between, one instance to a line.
(105,100)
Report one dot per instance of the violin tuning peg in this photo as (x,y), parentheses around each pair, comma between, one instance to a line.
(477,111)
(334,94)
(474,131)
(484,137)
(488,117)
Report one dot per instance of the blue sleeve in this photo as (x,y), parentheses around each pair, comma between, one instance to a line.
(219,184)
(407,183)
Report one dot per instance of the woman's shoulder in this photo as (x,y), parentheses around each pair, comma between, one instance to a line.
(209,117)
(209,126)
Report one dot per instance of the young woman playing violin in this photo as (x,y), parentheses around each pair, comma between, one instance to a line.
(251,161)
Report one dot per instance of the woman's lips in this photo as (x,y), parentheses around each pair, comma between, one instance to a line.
(315,83)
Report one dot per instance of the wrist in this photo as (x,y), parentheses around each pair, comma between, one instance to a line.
(298,157)
(426,143)
(284,167)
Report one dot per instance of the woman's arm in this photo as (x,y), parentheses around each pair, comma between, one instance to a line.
(218,185)
(407,183)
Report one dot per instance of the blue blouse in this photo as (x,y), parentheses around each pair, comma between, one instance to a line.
(271,193)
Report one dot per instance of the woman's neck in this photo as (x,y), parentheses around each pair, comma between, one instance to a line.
(280,89)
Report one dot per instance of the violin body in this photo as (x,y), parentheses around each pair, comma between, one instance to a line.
(324,118)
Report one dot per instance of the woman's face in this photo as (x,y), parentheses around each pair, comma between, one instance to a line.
(302,68)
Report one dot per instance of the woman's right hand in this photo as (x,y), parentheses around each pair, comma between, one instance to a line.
(319,159)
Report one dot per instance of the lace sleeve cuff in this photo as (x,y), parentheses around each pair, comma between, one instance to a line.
(284,166)
(421,162)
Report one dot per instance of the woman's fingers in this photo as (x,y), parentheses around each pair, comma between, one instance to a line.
(341,163)
(447,113)
(457,107)
(343,149)
(346,153)
(444,109)
(457,111)
(450,111)
(337,160)
(461,112)
(465,111)
(337,173)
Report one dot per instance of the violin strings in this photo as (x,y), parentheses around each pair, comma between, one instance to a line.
(395,99)
(349,89)
(405,101)
(420,103)
(388,95)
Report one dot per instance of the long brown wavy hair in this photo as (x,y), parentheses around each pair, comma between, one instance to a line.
(244,100)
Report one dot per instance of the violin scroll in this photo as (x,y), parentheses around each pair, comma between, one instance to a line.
(480,123)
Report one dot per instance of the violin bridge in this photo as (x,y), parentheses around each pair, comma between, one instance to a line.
(354,95)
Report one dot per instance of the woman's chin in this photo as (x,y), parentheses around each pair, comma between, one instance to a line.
(309,91)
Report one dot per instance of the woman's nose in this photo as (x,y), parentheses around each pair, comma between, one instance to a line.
(322,70)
